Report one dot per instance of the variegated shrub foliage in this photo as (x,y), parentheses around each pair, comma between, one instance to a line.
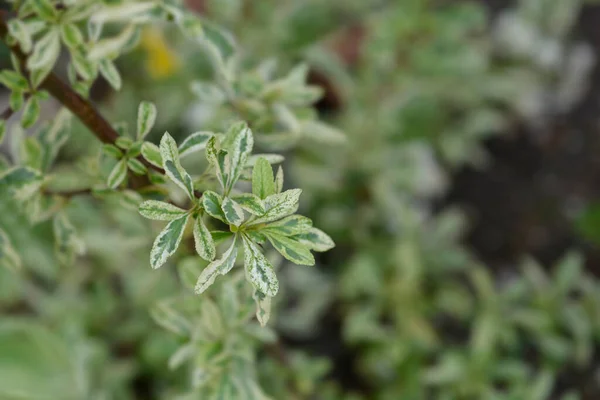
(232,210)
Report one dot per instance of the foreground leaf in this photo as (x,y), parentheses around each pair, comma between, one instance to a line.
(145,119)
(291,249)
(315,239)
(172,166)
(167,241)
(220,266)
(160,211)
(263,182)
(263,307)
(259,270)
(232,211)
(205,246)
(280,205)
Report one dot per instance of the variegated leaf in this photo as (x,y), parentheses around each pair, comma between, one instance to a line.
(205,246)
(263,307)
(117,174)
(195,142)
(67,243)
(288,226)
(259,270)
(167,241)
(151,153)
(172,166)
(145,119)
(232,211)
(315,239)
(250,203)
(279,205)
(9,258)
(219,266)
(21,182)
(291,249)
(239,151)
(160,211)
(211,202)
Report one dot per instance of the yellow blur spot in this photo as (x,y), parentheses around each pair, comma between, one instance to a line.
(161,61)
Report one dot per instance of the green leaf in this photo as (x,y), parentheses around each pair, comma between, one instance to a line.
(19,31)
(136,166)
(291,249)
(240,149)
(279,205)
(205,246)
(110,73)
(44,9)
(71,35)
(118,174)
(87,69)
(167,241)
(31,112)
(263,307)
(31,153)
(112,151)
(195,142)
(160,211)
(151,153)
(263,183)
(145,119)
(38,75)
(67,243)
(315,239)
(219,266)
(22,182)
(13,80)
(123,142)
(279,180)
(220,236)
(288,226)
(259,270)
(122,12)
(9,258)
(250,203)
(172,166)
(45,52)
(211,202)
(16,100)
(232,211)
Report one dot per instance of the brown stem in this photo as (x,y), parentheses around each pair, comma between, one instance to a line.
(79,106)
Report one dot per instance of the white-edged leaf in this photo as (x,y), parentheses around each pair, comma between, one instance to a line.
(167,241)
(123,12)
(239,151)
(259,271)
(219,266)
(288,226)
(117,174)
(112,46)
(19,31)
(85,68)
(263,182)
(71,35)
(291,249)
(13,80)
(172,166)
(9,258)
(205,246)
(232,211)
(315,239)
(145,119)
(31,112)
(211,202)
(136,166)
(110,73)
(45,52)
(151,153)
(263,307)
(43,8)
(279,205)
(195,142)
(250,203)
(160,211)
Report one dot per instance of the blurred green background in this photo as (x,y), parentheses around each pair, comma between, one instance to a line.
(464,203)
